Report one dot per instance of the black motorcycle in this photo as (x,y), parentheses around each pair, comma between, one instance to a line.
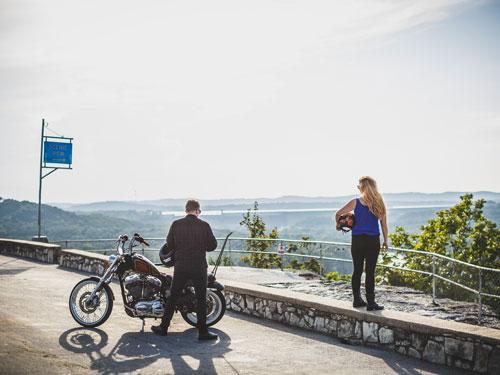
(145,290)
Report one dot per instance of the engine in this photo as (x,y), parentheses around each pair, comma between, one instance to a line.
(142,287)
(143,292)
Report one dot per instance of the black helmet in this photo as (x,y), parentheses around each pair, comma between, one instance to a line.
(167,257)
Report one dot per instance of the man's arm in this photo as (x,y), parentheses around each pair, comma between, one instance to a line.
(170,244)
(211,241)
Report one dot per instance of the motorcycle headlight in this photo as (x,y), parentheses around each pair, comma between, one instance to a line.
(111,259)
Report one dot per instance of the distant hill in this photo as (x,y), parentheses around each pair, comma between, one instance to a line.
(285,202)
(19,220)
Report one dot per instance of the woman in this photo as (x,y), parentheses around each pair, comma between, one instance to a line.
(368,209)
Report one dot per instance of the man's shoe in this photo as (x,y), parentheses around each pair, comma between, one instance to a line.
(358,302)
(207,336)
(374,306)
(160,330)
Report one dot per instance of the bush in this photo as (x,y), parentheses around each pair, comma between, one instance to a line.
(294,264)
(335,276)
(312,265)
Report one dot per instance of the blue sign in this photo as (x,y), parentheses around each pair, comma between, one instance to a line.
(57,152)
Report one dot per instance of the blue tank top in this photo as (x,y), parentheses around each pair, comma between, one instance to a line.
(366,221)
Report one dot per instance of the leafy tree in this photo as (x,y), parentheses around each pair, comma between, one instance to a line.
(461,232)
(257,229)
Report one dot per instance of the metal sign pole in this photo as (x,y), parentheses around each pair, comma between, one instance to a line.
(51,152)
(40,183)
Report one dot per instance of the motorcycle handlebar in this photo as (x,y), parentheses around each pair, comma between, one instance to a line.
(123,238)
(140,239)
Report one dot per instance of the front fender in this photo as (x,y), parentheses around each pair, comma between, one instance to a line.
(215,285)
(95,278)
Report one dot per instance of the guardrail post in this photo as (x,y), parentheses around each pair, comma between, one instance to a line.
(433,280)
(480,312)
(321,268)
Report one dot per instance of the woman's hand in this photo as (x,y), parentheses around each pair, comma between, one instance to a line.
(384,247)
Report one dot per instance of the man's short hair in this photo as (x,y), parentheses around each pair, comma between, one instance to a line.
(192,205)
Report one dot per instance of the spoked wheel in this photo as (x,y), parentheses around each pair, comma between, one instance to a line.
(216,307)
(86,311)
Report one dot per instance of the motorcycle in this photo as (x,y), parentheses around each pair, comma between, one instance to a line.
(145,290)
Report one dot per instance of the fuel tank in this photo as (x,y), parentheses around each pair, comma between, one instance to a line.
(141,264)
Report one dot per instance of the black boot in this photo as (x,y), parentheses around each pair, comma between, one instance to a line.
(207,335)
(358,301)
(372,305)
(161,329)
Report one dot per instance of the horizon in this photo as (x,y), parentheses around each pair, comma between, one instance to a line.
(249,198)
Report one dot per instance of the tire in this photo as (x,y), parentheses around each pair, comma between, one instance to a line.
(90,316)
(216,307)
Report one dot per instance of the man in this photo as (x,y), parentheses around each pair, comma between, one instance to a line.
(190,238)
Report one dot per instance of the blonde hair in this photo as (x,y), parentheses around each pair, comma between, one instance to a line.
(372,198)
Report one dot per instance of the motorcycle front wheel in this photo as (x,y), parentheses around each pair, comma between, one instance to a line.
(216,307)
(86,312)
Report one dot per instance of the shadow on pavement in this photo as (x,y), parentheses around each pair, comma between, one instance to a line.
(137,350)
(399,363)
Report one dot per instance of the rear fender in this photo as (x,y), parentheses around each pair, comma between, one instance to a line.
(215,285)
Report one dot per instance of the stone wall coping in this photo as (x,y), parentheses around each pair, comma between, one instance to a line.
(85,254)
(32,243)
(406,321)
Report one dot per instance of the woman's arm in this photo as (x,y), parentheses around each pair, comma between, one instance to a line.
(385,232)
(347,208)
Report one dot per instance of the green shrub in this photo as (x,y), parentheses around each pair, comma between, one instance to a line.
(335,276)
(311,265)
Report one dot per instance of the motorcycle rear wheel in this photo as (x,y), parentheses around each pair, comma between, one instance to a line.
(90,314)
(216,307)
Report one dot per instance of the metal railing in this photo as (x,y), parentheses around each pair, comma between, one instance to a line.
(479,280)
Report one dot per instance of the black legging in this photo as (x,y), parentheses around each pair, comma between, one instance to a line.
(364,248)
(199,279)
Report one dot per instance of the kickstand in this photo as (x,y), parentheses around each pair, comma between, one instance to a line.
(143,324)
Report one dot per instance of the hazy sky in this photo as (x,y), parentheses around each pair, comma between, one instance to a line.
(215,99)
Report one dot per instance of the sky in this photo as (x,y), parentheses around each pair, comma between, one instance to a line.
(230,99)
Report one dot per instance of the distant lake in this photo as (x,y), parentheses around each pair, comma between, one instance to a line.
(287,210)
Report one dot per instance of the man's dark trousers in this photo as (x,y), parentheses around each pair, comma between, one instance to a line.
(199,279)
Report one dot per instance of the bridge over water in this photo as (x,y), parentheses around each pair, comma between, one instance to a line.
(38,336)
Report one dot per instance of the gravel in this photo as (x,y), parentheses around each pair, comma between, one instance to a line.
(400,299)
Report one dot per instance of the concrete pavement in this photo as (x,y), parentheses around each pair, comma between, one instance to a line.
(39,336)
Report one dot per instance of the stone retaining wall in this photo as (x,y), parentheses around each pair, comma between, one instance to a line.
(443,342)
(43,252)
(83,261)
(438,341)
